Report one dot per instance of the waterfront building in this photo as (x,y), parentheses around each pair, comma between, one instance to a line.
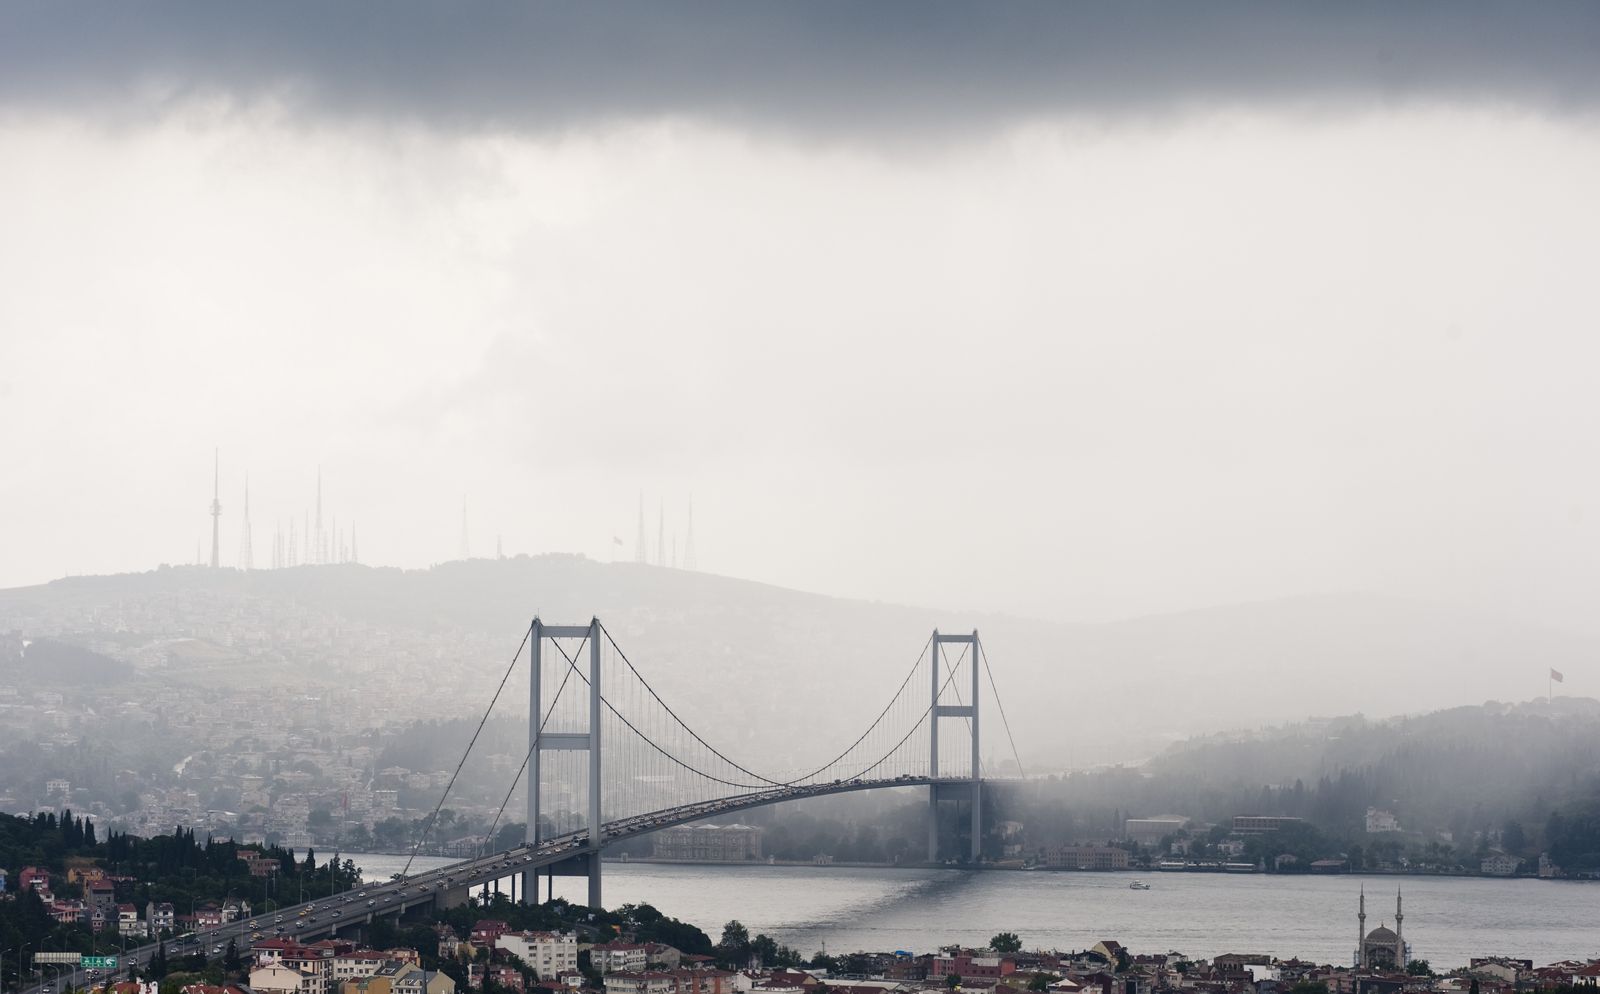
(1086,858)
(712,843)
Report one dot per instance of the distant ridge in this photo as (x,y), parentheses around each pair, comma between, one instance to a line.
(761,662)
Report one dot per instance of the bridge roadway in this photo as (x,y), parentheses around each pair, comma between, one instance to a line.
(324,916)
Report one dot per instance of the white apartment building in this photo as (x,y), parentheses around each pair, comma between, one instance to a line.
(547,952)
(617,957)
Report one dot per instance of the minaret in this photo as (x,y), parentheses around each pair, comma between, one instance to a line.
(688,539)
(638,545)
(1399,936)
(216,508)
(1361,930)
(246,554)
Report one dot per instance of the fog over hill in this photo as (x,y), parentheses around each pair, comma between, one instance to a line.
(779,675)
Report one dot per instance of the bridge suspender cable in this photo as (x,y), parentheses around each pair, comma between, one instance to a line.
(573,666)
(428,826)
(996,691)
(876,721)
(925,716)
(741,769)
(713,749)
(489,836)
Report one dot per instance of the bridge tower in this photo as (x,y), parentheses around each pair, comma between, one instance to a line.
(587,862)
(954,789)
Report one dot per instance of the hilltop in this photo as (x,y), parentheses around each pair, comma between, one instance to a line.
(779,672)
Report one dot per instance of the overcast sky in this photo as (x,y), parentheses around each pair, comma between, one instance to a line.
(1072,310)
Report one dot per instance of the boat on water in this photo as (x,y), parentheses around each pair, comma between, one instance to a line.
(1138,885)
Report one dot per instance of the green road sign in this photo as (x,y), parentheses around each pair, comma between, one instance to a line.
(99,962)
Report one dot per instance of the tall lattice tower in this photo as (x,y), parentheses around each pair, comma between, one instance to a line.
(466,550)
(661,534)
(216,508)
(688,539)
(246,554)
(320,548)
(640,554)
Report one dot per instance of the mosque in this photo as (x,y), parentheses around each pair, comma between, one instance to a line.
(1380,949)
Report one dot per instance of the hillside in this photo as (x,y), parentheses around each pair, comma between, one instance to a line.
(772,672)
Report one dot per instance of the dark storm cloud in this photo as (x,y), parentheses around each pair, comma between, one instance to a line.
(824,63)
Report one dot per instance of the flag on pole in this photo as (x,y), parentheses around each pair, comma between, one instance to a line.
(1555,675)
(615,540)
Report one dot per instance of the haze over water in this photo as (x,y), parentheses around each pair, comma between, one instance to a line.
(1449,920)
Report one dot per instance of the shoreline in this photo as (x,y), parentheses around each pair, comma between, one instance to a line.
(1017,868)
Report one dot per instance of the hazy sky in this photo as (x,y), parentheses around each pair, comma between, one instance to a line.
(1071,310)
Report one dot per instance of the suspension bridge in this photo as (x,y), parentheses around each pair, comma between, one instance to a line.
(609,760)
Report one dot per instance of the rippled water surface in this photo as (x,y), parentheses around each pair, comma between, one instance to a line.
(1447,919)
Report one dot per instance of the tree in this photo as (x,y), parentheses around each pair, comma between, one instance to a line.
(230,959)
(1512,837)
(734,947)
(158,962)
(1005,942)
(952,980)
(1419,968)
(1039,982)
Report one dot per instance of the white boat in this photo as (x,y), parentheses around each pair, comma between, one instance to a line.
(1138,885)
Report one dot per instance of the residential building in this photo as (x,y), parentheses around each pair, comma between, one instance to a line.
(618,957)
(499,974)
(354,965)
(970,966)
(34,877)
(1500,865)
(548,953)
(128,922)
(161,917)
(640,982)
(395,977)
(487,930)
(1381,821)
(101,894)
(280,979)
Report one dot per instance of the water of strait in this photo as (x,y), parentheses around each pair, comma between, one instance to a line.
(843,909)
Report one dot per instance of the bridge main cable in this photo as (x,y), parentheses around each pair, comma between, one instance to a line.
(489,836)
(421,836)
(764,779)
